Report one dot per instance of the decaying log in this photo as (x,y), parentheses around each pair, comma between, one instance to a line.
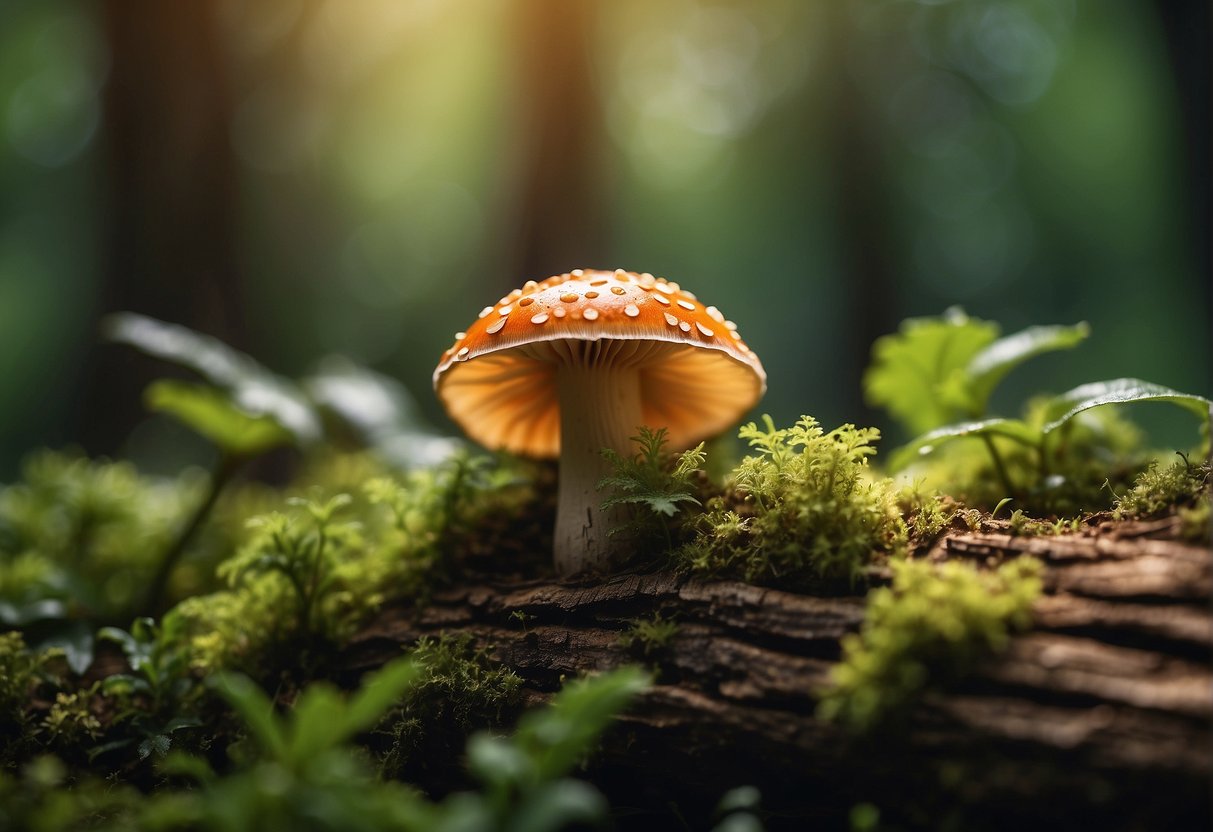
(1101,714)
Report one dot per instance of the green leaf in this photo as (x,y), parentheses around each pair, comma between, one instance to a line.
(379,693)
(558,736)
(157,744)
(990,365)
(252,388)
(918,374)
(255,709)
(557,806)
(1120,391)
(209,412)
(1012,429)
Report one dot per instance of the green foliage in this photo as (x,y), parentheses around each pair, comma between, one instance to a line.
(525,776)
(927,629)
(652,480)
(649,635)
(458,690)
(917,373)
(808,507)
(158,698)
(1042,459)
(239,389)
(314,569)
(212,414)
(89,533)
(304,772)
(18,667)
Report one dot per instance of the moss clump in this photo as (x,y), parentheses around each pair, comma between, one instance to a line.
(18,667)
(930,627)
(804,506)
(91,531)
(1157,490)
(649,635)
(459,690)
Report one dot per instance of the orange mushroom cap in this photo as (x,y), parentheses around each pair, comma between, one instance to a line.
(497,381)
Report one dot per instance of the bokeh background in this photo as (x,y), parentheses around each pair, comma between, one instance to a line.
(310,177)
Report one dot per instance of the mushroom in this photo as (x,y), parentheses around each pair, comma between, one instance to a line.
(575,364)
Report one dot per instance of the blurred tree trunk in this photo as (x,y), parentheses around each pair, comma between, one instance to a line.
(559,225)
(1188,28)
(171,179)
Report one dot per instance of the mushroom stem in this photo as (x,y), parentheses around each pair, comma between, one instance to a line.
(599,408)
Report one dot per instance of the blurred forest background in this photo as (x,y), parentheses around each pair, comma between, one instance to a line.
(304,178)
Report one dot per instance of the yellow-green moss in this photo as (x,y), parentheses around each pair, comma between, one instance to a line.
(931,626)
(805,505)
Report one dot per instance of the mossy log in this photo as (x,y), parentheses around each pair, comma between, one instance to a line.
(1100,714)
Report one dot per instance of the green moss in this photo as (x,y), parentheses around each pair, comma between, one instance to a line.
(930,627)
(804,506)
(18,667)
(314,569)
(649,635)
(458,690)
(1157,490)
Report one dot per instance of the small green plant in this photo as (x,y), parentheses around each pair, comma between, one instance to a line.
(158,698)
(805,505)
(654,481)
(649,635)
(929,628)
(936,377)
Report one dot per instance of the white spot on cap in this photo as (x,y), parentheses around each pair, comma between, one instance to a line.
(730,326)
(459,336)
(591,314)
(619,290)
(686,304)
(714,314)
(485,311)
(706,332)
(530,286)
(670,319)
(559,312)
(662,299)
(684,326)
(541,318)
(496,326)
(462,354)
(631,310)
(505,310)
(577,272)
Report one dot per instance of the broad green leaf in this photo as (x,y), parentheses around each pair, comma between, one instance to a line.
(209,412)
(1012,429)
(255,708)
(378,693)
(990,365)
(918,373)
(558,805)
(558,736)
(1120,391)
(252,388)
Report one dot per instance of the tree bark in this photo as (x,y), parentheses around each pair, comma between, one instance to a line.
(1101,714)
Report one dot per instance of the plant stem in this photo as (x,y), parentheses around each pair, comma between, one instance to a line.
(999,467)
(225,469)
